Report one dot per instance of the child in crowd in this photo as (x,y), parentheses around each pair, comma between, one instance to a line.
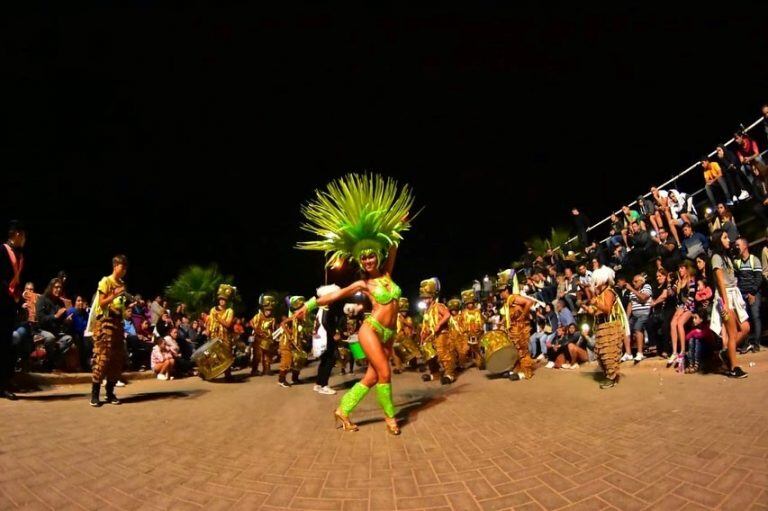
(703,294)
(162,360)
(700,340)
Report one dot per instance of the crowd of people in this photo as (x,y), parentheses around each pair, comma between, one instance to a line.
(689,285)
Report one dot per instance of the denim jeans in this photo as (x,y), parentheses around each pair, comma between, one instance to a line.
(756,325)
(695,350)
(711,194)
(541,339)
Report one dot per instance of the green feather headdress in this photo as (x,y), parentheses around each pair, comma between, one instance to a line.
(357,215)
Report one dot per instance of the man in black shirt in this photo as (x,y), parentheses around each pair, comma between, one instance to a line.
(11,265)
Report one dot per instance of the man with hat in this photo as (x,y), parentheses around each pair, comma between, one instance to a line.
(471,322)
(403,331)
(264,325)
(221,319)
(434,330)
(295,335)
(516,321)
(11,266)
(458,337)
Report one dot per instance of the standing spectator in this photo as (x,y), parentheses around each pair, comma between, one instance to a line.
(662,310)
(749,272)
(731,314)
(714,174)
(582,225)
(79,315)
(685,290)
(694,243)
(156,310)
(639,311)
(765,119)
(730,165)
(53,320)
(11,265)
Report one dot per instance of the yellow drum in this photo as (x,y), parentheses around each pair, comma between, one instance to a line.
(428,351)
(407,350)
(500,353)
(212,359)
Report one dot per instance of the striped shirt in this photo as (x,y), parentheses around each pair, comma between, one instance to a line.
(639,307)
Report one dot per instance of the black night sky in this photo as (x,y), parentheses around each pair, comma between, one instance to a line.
(191,134)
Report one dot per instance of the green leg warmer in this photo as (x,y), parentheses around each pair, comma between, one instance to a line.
(384,395)
(352,398)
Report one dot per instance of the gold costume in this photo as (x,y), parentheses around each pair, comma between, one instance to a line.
(293,342)
(517,324)
(471,322)
(404,331)
(446,351)
(263,344)
(220,325)
(610,332)
(109,353)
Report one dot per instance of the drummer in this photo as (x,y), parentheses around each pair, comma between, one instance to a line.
(434,329)
(458,337)
(516,321)
(292,354)
(221,319)
(264,325)
(404,333)
(472,322)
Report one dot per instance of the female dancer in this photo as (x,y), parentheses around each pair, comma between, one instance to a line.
(362,217)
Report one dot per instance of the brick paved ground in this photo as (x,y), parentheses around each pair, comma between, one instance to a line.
(658,441)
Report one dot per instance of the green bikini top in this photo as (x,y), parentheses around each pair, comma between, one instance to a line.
(386,290)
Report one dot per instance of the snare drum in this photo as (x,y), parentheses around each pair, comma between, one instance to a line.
(212,358)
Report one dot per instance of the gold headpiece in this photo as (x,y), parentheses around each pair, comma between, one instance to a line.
(429,288)
(226,291)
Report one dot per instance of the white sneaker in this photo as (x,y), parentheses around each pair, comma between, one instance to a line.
(744,195)
(326,390)
(171,378)
(120,383)
(317,388)
(161,376)
(565,366)
(284,384)
(574,366)
(540,357)
(734,199)
(625,357)
(550,365)
(639,357)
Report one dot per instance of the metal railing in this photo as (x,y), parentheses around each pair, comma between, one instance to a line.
(673,179)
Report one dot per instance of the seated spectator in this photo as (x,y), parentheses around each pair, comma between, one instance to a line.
(584,282)
(139,349)
(564,314)
(630,215)
(139,312)
(647,210)
(53,321)
(694,244)
(618,258)
(183,365)
(714,174)
(683,210)
(585,346)
(664,212)
(164,325)
(617,232)
(537,345)
(746,152)
(25,325)
(703,295)
(162,360)
(723,219)
(701,341)
(79,315)
(642,247)
(730,165)
(702,267)
(557,352)
(671,257)
(196,336)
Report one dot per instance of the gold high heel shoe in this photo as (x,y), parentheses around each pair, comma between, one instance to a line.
(392,428)
(346,424)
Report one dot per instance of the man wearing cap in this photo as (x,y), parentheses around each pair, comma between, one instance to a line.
(434,329)
(264,325)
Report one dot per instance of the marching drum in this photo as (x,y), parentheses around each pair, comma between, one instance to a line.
(500,353)
(428,351)
(407,350)
(212,359)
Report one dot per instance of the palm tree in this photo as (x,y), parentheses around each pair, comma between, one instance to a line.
(196,287)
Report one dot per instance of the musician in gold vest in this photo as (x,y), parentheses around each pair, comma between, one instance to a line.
(403,331)
(458,337)
(516,321)
(293,356)
(471,321)
(612,326)
(221,319)
(434,329)
(264,325)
